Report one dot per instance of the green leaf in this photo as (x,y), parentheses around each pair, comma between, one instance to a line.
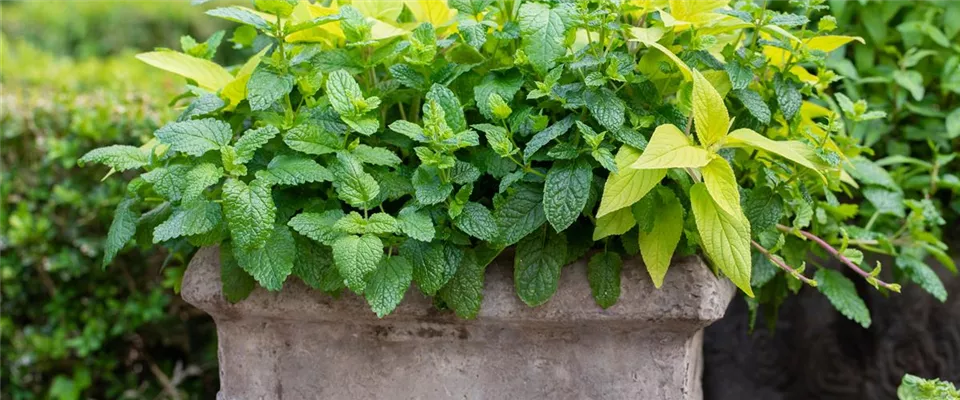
(416,224)
(236,283)
(195,137)
(376,156)
(122,229)
(869,173)
(537,263)
(763,208)
(356,257)
(207,103)
(352,223)
(504,84)
(843,295)
(910,260)
(499,108)
(724,238)
(294,170)
(788,97)
(545,136)
(429,188)
(408,129)
(912,81)
(169,182)
(312,139)
(241,15)
(658,245)
(520,214)
(755,105)
(722,185)
(498,138)
(605,107)
(118,157)
(199,178)
(452,109)
(190,219)
(314,265)
(603,273)
(477,221)
(614,223)
(886,201)
(382,223)
(252,140)
(464,292)
(543,30)
(387,285)
(434,264)
(740,75)
(318,226)
(470,6)
(565,192)
(783,148)
(267,86)
(343,91)
(354,186)
(271,263)
(709,113)
(281,8)
(207,74)
(627,186)
(250,212)
(670,148)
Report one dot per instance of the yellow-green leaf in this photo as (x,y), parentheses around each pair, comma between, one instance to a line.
(830,43)
(724,238)
(628,185)
(749,138)
(709,113)
(658,245)
(684,69)
(208,74)
(722,185)
(670,148)
(615,223)
(435,12)
(236,90)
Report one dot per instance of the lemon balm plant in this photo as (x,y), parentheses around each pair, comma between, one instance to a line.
(370,145)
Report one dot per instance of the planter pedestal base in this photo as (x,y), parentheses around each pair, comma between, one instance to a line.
(303,344)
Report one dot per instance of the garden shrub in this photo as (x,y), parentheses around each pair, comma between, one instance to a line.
(70,329)
(101,28)
(377,144)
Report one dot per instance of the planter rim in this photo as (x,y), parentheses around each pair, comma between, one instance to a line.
(690,298)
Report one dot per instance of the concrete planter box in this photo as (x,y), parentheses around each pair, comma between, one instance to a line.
(303,344)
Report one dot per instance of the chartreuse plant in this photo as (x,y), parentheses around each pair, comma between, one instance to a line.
(371,145)
(916,388)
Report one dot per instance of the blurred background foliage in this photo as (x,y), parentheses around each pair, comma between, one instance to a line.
(69,329)
(69,83)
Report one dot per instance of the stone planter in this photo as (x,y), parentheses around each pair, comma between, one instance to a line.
(303,344)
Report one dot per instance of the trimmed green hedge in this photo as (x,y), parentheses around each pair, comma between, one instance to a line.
(70,329)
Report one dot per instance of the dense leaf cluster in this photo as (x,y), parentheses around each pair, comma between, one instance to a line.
(377,144)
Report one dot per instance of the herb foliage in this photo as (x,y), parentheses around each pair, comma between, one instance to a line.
(376,144)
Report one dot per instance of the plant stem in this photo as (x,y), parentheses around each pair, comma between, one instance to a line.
(783,265)
(836,254)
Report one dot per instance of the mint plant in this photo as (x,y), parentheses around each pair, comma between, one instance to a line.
(369,146)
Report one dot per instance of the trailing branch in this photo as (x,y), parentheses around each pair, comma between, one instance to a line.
(836,254)
(783,265)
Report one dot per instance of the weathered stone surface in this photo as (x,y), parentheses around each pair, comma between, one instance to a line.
(302,344)
(816,353)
